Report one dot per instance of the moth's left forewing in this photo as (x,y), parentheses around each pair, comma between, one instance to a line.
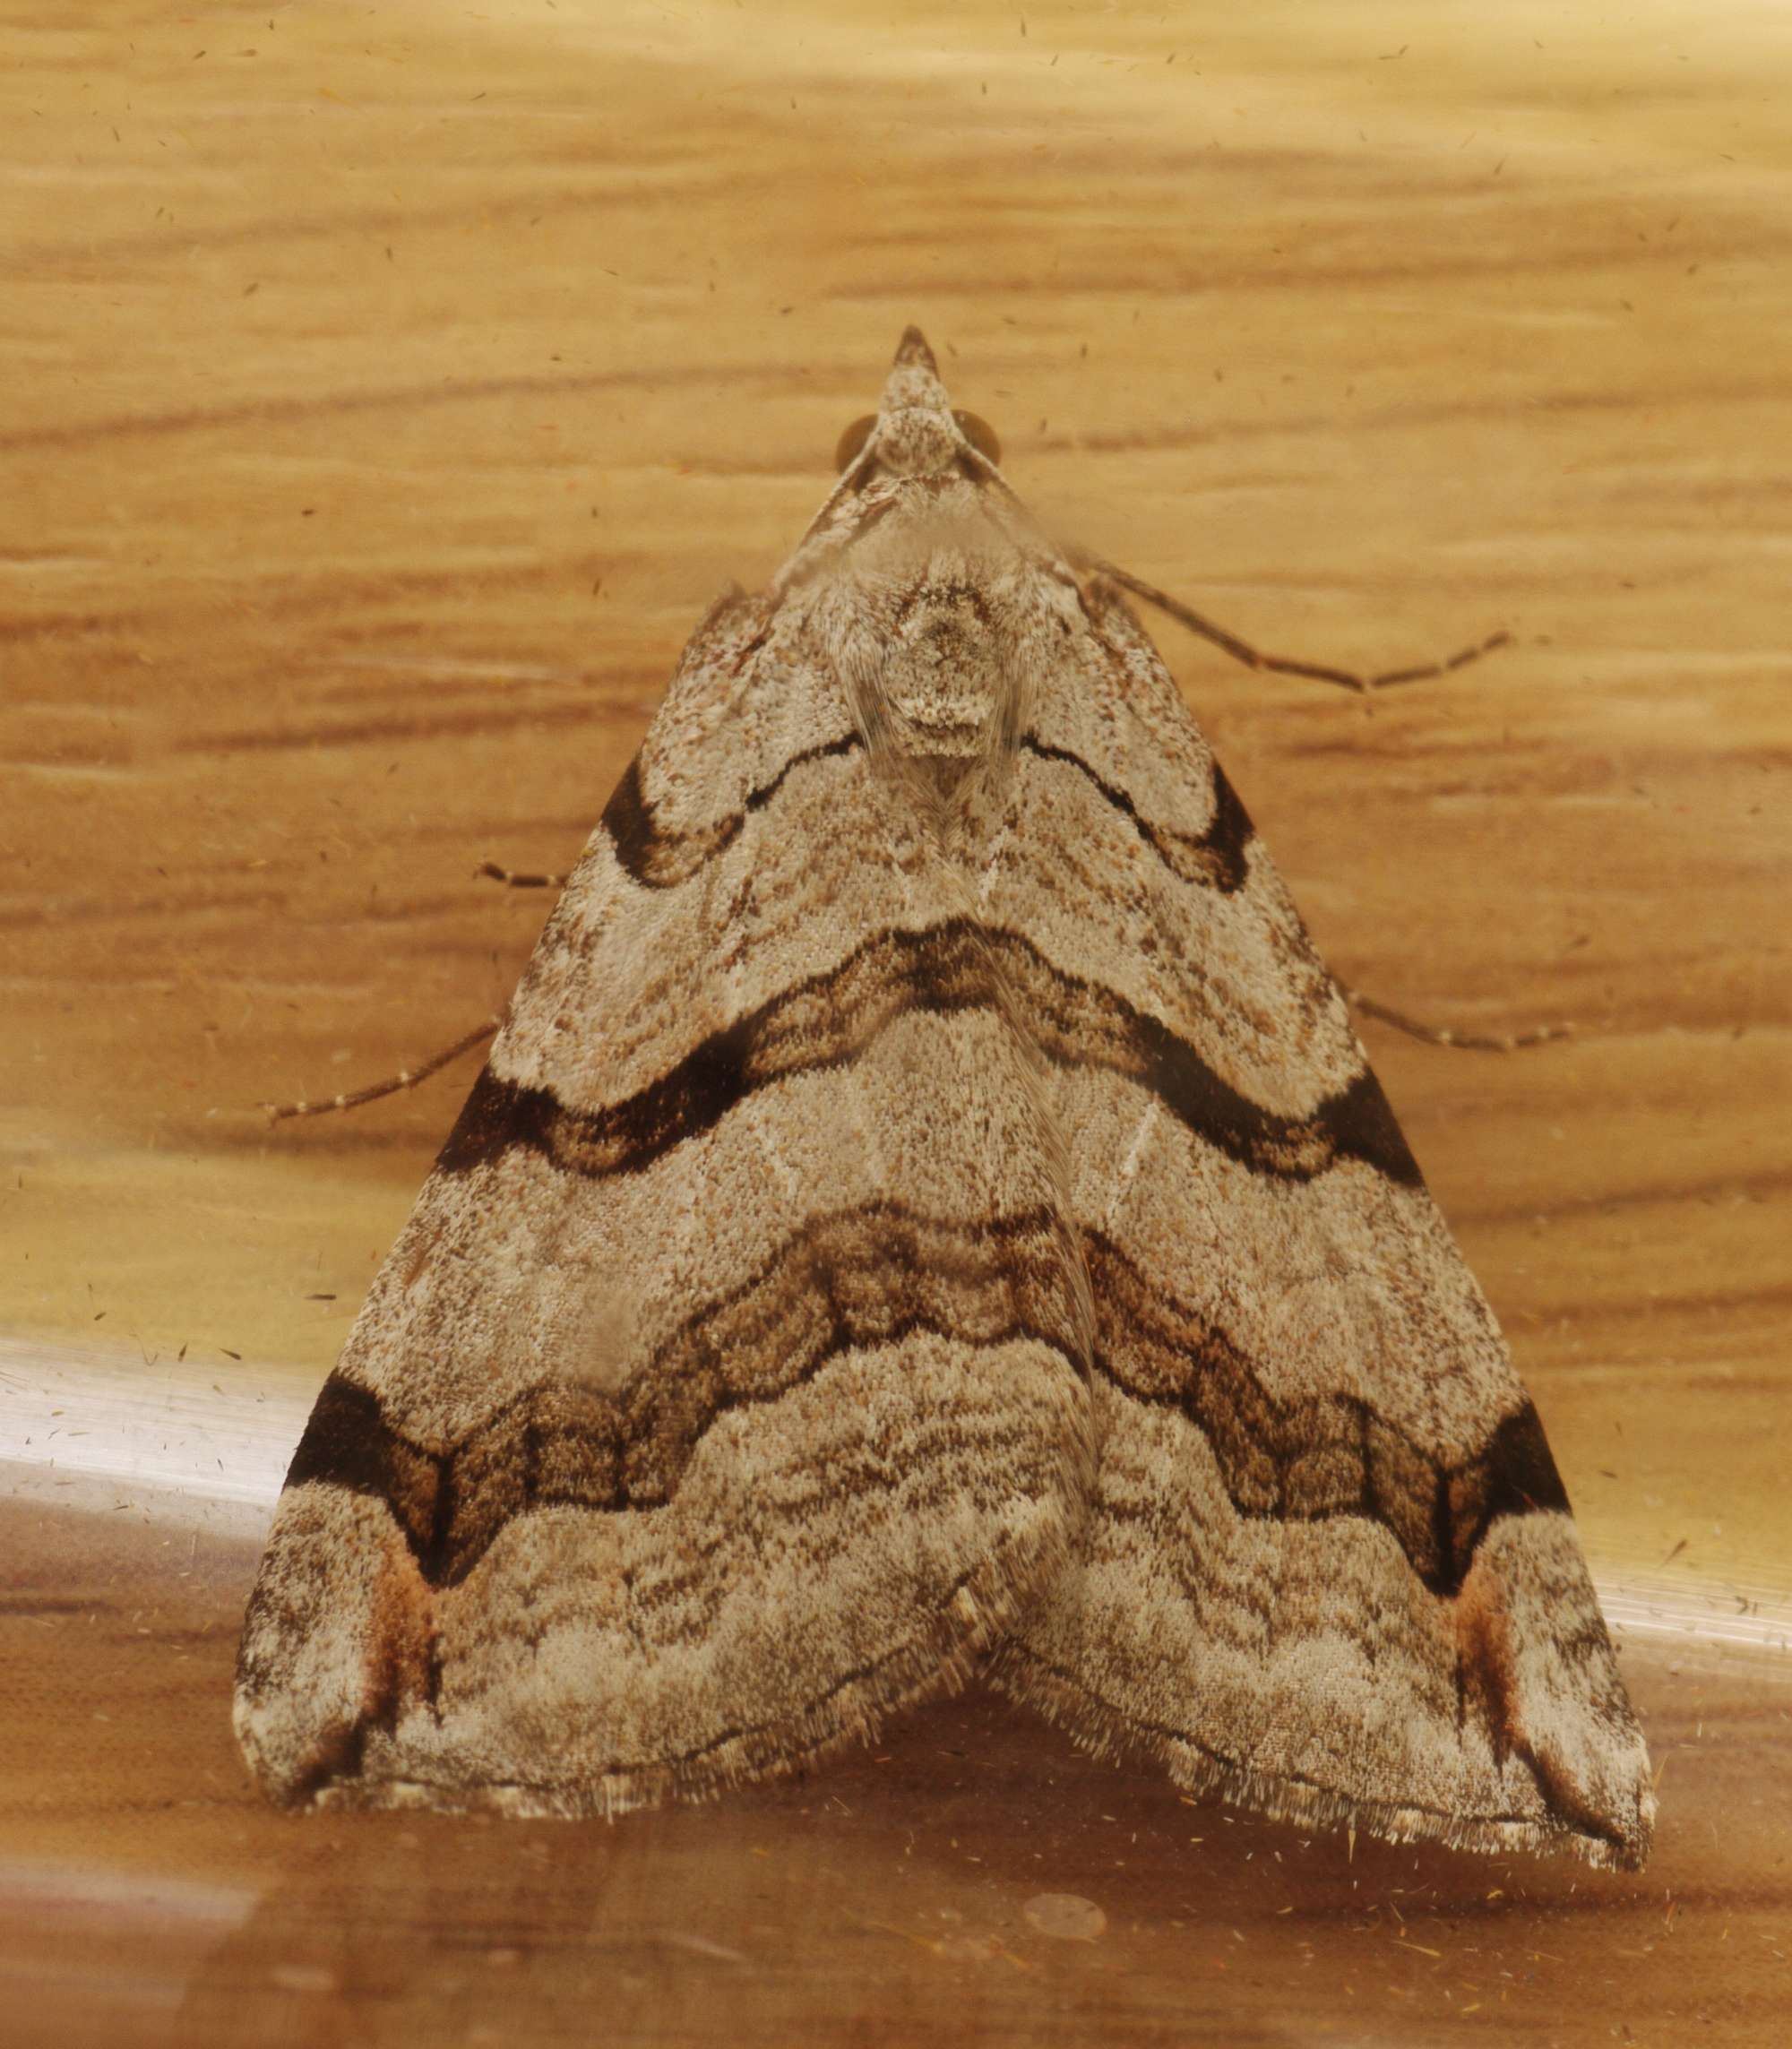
(1330,1569)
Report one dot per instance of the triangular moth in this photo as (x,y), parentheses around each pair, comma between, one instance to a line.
(927,1213)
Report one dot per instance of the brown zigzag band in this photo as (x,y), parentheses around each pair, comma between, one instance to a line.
(1321,1455)
(873,1277)
(660,860)
(961,965)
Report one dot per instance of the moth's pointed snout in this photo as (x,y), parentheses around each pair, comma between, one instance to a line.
(913,348)
(914,383)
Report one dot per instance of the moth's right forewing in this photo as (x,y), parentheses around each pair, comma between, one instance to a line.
(728,1385)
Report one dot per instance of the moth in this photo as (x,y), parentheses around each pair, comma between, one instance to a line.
(926,1215)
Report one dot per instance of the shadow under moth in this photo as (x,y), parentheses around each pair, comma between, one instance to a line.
(926,1215)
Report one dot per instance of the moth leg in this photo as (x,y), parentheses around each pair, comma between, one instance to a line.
(1443,1035)
(520,879)
(406,1078)
(1281,665)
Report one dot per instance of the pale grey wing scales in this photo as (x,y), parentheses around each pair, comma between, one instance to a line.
(1330,1568)
(728,1385)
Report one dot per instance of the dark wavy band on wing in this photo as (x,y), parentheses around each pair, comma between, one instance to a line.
(1321,1455)
(1218,855)
(829,1020)
(846,1282)
(660,858)
(875,1276)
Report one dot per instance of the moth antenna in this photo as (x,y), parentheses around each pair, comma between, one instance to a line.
(1252,658)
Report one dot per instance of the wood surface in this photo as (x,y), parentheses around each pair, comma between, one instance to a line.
(388,389)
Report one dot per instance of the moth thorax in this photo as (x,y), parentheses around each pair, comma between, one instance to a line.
(946,681)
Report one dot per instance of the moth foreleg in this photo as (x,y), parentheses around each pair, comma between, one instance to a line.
(520,878)
(406,1078)
(1446,1034)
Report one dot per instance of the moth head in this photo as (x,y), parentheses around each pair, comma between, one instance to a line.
(972,426)
(917,431)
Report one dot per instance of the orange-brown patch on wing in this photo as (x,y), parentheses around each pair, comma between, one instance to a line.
(402,1665)
(1485,1674)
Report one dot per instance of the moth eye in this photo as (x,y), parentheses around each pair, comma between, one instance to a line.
(981,436)
(852,442)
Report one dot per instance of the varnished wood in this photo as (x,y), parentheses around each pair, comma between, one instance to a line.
(151,1897)
(389,391)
